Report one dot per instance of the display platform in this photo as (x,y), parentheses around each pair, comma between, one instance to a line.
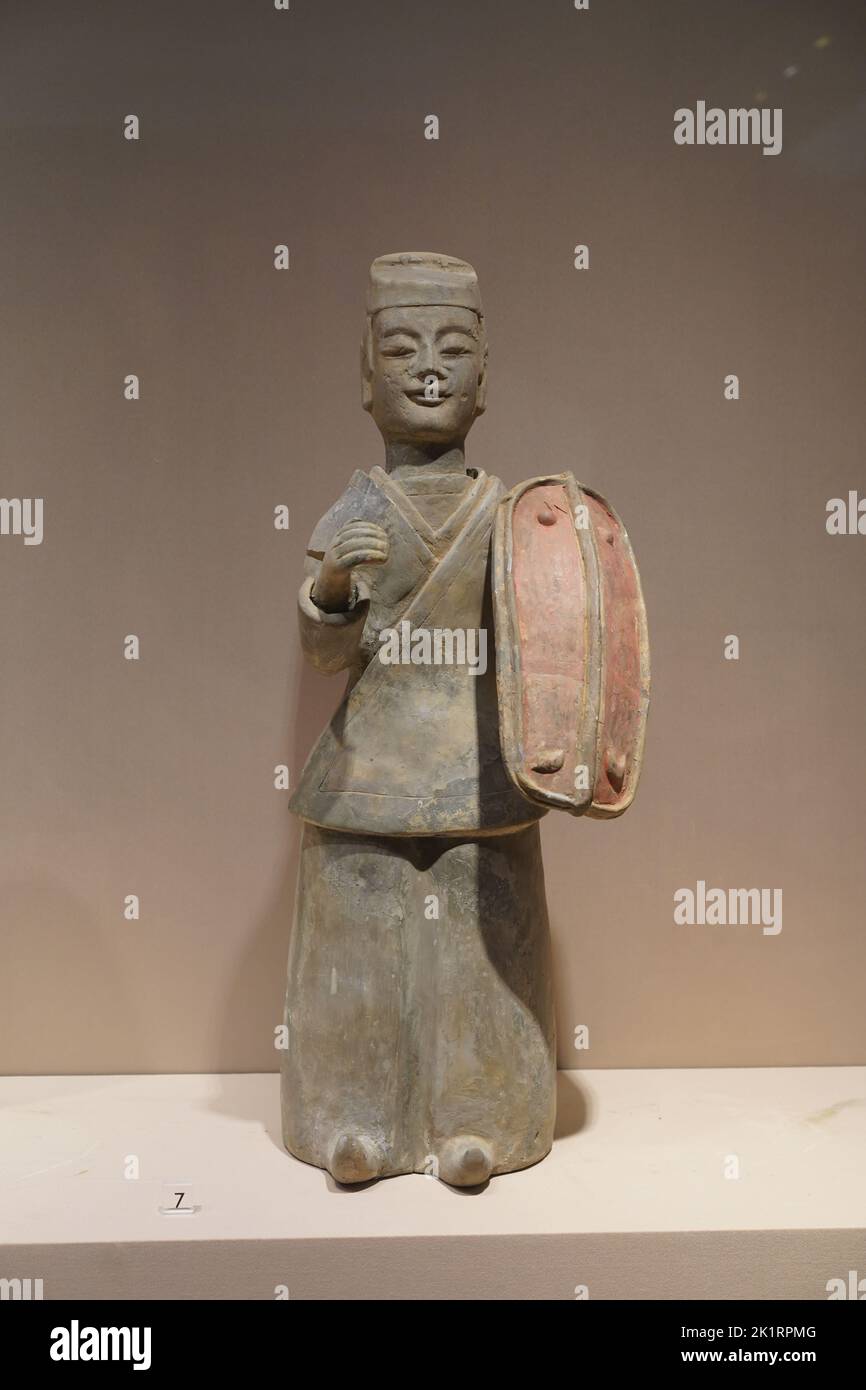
(689,1184)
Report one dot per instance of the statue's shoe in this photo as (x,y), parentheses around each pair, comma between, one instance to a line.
(355,1158)
(465,1161)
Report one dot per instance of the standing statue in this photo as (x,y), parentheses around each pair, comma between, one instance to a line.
(419,1002)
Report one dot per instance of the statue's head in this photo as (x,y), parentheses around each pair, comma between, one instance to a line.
(424,355)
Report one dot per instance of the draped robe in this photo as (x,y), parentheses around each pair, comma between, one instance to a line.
(419,1001)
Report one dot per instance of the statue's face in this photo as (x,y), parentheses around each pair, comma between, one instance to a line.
(424,382)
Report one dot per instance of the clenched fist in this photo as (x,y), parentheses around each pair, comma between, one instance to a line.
(356,543)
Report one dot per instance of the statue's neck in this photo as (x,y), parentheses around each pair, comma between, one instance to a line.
(404,460)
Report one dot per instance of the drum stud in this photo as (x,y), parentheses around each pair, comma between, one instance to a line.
(549,760)
(616,771)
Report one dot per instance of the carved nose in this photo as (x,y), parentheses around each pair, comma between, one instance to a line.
(429,365)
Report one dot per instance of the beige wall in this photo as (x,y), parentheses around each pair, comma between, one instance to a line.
(306,127)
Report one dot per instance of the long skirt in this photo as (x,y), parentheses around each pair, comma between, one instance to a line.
(419,1003)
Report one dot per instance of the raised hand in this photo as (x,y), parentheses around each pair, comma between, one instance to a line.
(356,543)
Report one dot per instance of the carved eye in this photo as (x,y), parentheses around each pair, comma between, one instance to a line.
(455,348)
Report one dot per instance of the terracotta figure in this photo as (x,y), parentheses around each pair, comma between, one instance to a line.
(419,1001)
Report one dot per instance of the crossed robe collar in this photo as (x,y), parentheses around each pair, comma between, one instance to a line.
(437,541)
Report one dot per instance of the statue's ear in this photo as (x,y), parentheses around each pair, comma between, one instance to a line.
(481,394)
(367,368)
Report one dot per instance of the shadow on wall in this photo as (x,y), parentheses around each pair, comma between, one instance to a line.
(573,1111)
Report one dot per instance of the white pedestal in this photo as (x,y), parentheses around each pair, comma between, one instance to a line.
(639,1198)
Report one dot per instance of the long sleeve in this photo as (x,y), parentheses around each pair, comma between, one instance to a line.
(330,641)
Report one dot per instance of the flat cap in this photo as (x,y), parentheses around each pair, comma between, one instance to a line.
(407,279)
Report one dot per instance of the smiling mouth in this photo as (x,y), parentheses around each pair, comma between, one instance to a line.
(421,399)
